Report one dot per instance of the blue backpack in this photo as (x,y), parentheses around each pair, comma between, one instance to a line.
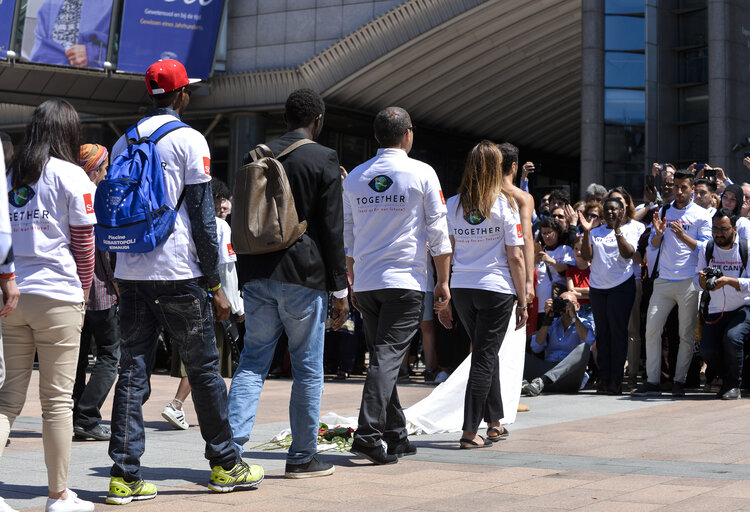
(130,208)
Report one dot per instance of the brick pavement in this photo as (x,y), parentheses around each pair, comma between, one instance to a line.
(582,452)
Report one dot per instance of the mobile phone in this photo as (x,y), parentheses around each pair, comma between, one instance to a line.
(700,167)
(747,154)
(650,181)
(709,174)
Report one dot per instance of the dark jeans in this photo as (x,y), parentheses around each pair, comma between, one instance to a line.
(391,317)
(185,311)
(88,398)
(611,307)
(565,376)
(723,344)
(485,316)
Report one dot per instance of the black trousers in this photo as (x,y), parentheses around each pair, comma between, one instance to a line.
(611,308)
(723,345)
(485,316)
(391,318)
(564,376)
(103,326)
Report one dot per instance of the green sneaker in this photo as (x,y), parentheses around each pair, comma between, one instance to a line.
(241,476)
(122,492)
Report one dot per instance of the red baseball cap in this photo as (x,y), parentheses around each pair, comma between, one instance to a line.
(166,76)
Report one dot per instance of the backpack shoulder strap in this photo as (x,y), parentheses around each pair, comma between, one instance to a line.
(294,146)
(166,129)
(743,255)
(710,251)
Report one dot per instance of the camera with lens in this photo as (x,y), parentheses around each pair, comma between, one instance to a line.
(712,274)
(558,306)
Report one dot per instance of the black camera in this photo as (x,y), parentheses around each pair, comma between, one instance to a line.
(558,306)
(712,274)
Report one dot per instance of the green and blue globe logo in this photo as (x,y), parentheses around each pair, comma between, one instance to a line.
(474,217)
(20,196)
(380,183)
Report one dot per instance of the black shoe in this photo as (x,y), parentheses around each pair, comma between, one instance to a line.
(97,433)
(402,449)
(678,388)
(311,469)
(732,394)
(647,389)
(429,375)
(376,455)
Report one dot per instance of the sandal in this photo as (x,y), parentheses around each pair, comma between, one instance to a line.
(471,444)
(498,435)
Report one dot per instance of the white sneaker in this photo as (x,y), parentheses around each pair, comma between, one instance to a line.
(441,377)
(72,504)
(175,417)
(4,507)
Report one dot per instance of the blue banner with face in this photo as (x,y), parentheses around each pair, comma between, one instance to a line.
(7,8)
(185,30)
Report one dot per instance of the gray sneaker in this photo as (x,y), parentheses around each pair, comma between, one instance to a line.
(533,388)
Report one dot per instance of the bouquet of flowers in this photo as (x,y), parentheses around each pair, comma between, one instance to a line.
(337,439)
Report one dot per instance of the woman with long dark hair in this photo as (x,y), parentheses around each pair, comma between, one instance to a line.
(488,268)
(552,259)
(610,248)
(52,217)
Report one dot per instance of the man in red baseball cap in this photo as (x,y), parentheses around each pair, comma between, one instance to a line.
(170,286)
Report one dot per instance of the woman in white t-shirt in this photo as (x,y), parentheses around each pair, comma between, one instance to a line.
(552,260)
(485,230)
(51,215)
(610,249)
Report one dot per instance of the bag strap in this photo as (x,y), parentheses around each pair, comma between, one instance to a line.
(743,255)
(166,129)
(294,146)
(709,251)
(655,272)
(261,151)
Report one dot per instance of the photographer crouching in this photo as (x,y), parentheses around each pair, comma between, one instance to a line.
(566,341)
(725,304)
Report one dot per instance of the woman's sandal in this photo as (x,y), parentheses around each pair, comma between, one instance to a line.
(498,435)
(471,444)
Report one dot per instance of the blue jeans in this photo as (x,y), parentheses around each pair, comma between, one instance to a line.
(185,311)
(272,306)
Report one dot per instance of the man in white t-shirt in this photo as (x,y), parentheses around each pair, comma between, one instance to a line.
(393,206)
(170,286)
(676,237)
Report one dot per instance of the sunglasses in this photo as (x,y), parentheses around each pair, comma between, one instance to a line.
(558,216)
(591,216)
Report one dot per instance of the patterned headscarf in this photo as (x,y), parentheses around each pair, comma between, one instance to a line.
(92,156)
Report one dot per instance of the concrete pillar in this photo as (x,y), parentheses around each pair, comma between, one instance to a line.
(592,93)
(719,84)
(247,130)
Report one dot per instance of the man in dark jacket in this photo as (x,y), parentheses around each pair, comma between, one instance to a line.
(287,290)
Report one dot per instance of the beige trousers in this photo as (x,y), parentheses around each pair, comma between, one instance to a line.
(51,328)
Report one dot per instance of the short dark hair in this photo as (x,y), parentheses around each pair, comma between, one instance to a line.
(390,125)
(219,188)
(726,212)
(510,156)
(682,174)
(553,224)
(166,99)
(710,184)
(302,107)
(559,194)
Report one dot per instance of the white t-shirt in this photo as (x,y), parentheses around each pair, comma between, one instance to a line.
(729,262)
(224,235)
(40,218)
(608,267)
(187,161)
(227,267)
(743,227)
(677,262)
(479,256)
(393,205)
(546,275)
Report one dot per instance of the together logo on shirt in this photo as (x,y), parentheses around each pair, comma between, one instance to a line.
(20,196)
(380,183)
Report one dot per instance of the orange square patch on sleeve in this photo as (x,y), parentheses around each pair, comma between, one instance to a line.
(230,250)
(207,165)
(442,197)
(88,203)
(519,231)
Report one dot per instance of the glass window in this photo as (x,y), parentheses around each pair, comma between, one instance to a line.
(694,66)
(624,143)
(622,106)
(694,103)
(693,28)
(624,33)
(624,69)
(629,176)
(623,6)
(694,142)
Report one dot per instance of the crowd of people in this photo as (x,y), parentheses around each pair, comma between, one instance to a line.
(381,250)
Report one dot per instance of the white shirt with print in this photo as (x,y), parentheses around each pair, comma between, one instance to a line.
(480,259)
(729,262)
(227,267)
(187,161)
(677,261)
(393,206)
(608,267)
(40,218)
(546,276)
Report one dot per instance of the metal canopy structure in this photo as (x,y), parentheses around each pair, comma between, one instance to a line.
(500,69)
